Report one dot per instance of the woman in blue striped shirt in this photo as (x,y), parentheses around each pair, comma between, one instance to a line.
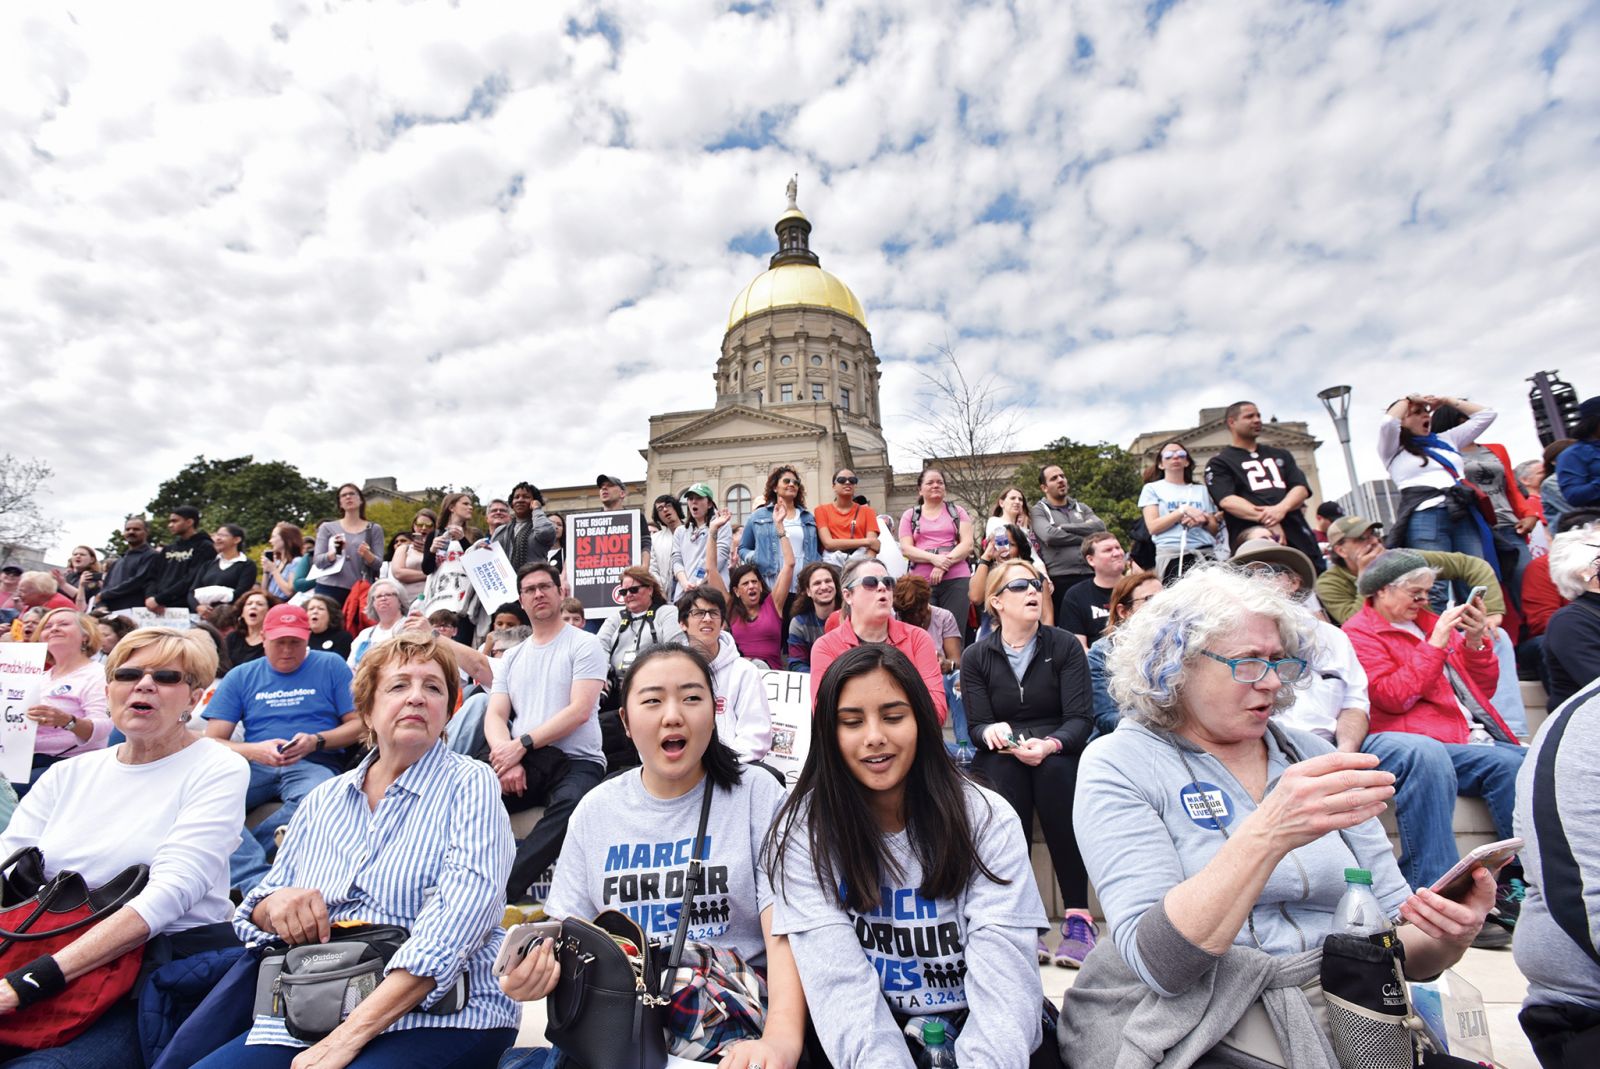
(415,836)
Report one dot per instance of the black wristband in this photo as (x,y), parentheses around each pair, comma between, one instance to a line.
(36,981)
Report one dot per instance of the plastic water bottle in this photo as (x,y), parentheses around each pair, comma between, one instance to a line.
(1359,912)
(937,1053)
(964,754)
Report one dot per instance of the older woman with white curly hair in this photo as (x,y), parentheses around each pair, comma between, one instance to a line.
(1572,638)
(1213,836)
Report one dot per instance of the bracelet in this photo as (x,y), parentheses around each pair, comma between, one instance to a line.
(36,981)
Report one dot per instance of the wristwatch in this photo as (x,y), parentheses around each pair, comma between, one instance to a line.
(322,743)
(527,742)
(72,723)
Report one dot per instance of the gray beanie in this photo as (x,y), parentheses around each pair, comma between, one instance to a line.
(1386,567)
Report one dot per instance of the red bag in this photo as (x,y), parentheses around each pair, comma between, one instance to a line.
(356,619)
(39,916)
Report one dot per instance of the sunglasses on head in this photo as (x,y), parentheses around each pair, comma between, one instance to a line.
(1017,586)
(873,582)
(165,677)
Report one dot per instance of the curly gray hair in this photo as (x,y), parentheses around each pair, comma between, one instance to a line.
(1149,659)
(1571,555)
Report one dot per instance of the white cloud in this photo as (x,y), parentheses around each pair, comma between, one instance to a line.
(319,232)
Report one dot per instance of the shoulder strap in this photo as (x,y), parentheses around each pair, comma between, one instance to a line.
(1560,879)
(691,883)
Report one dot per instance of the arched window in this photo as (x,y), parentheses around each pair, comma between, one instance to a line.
(738,502)
(785,359)
(757,366)
(844,365)
(816,361)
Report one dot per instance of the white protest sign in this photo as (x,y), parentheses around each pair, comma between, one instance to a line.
(178,618)
(789,698)
(22,678)
(490,572)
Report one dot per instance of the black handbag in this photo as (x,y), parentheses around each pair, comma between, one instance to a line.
(609,1009)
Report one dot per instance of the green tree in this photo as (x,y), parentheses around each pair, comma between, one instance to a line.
(1102,475)
(255,495)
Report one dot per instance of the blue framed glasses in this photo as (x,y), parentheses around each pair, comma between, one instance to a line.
(1255,669)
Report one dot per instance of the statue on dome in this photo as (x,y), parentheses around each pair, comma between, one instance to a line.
(794,193)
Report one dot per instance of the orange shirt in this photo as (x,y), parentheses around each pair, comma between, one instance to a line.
(857,522)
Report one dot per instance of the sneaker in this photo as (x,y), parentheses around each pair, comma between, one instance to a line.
(1492,936)
(1044,953)
(1078,937)
(1508,903)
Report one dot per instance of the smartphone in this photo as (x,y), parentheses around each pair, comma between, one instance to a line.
(267,554)
(1477,592)
(520,941)
(1454,884)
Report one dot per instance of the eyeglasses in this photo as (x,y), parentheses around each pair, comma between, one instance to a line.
(164,677)
(1414,593)
(386,596)
(872,582)
(538,588)
(1175,454)
(1254,669)
(851,479)
(1265,569)
(1136,602)
(1017,586)
(705,614)
(630,591)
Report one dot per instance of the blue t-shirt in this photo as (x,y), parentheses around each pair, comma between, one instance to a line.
(275,705)
(1169,498)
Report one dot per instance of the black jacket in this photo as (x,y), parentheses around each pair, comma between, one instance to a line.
(173,575)
(239,577)
(1053,699)
(128,579)
(1572,647)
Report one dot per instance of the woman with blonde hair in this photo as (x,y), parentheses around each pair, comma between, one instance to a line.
(71,713)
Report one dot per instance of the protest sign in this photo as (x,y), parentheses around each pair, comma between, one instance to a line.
(492,577)
(22,679)
(600,546)
(789,698)
(178,618)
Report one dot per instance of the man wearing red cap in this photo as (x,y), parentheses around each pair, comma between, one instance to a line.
(298,716)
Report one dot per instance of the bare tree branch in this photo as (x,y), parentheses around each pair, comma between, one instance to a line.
(22,524)
(964,421)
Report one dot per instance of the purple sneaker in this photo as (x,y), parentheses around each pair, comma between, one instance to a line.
(1077,939)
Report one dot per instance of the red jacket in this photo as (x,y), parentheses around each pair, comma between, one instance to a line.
(1540,598)
(914,642)
(1519,501)
(1406,680)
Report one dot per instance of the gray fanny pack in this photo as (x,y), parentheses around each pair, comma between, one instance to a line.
(316,986)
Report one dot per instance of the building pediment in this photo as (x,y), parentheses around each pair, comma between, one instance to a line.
(738,423)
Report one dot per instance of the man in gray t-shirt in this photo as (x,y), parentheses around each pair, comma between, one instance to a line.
(540,732)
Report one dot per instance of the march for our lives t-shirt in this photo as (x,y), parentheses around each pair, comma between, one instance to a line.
(916,944)
(629,851)
(277,705)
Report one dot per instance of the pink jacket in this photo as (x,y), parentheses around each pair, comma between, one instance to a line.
(914,642)
(1407,682)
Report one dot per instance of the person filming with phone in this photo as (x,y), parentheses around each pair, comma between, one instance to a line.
(1218,841)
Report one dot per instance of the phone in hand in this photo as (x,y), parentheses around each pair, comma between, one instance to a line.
(1455,883)
(1477,592)
(267,554)
(520,942)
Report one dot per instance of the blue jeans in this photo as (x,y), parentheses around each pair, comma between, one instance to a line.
(958,711)
(1429,774)
(112,1042)
(414,1048)
(465,729)
(1507,696)
(288,784)
(1434,529)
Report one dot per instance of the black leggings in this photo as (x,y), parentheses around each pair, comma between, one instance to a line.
(1046,788)
(1562,1035)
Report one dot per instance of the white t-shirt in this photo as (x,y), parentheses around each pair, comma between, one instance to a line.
(180,815)
(539,681)
(1337,682)
(1169,498)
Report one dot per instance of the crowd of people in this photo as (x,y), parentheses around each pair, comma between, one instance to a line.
(1205,717)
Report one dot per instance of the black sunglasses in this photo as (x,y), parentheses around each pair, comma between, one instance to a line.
(851,479)
(165,677)
(627,591)
(1017,586)
(873,582)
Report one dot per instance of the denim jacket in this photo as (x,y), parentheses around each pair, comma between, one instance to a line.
(760,543)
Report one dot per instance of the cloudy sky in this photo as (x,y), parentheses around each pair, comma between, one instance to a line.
(472,242)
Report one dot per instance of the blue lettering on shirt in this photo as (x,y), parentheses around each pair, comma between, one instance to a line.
(1206,804)
(278,705)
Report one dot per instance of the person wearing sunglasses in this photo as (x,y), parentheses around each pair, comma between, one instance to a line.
(846,527)
(647,619)
(1026,692)
(1214,835)
(868,616)
(768,525)
(1182,519)
(166,798)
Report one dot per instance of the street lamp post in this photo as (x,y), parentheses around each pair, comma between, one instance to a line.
(1336,399)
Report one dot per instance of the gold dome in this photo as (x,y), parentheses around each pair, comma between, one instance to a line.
(789,285)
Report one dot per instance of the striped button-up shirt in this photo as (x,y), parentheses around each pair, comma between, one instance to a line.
(433,858)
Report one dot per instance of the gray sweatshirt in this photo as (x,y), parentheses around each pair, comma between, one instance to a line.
(1144,827)
(914,955)
(1557,971)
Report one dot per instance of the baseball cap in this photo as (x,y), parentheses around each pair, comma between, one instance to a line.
(286,621)
(601,480)
(10,569)
(1350,527)
(701,490)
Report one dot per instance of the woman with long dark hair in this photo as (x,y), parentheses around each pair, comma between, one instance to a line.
(1178,512)
(762,534)
(229,568)
(905,890)
(669,710)
(286,561)
(352,543)
(755,610)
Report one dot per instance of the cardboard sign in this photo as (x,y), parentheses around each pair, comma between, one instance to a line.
(492,577)
(178,618)
(789,698)
(600,546)
(22,678)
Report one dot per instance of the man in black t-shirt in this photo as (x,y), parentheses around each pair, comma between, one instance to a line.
(1257,484)
(1087,606)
